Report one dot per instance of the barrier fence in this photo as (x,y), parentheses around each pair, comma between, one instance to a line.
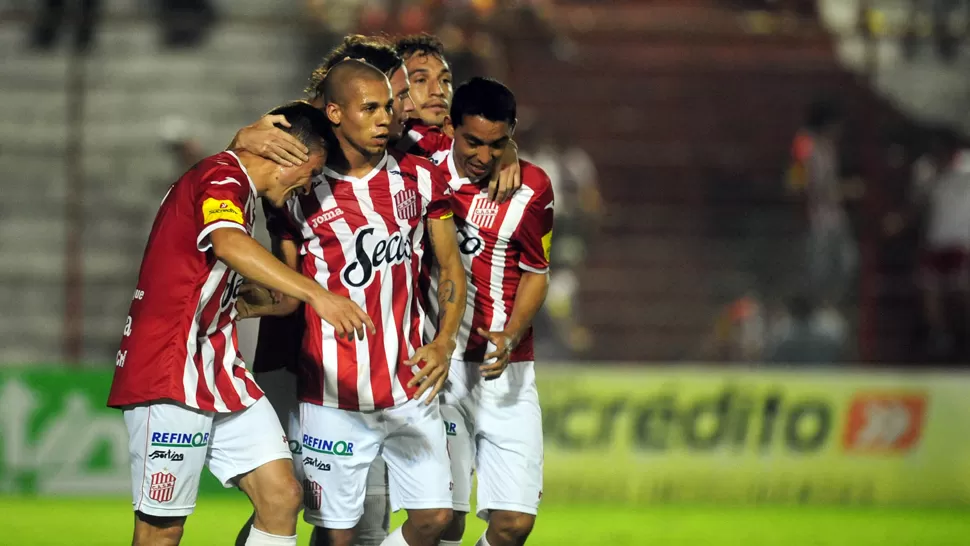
(620,435)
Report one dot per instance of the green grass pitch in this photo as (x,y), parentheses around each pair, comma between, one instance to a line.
(95,522)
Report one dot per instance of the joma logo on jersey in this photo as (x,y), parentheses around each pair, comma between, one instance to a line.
(326,216)
(371,253)
(328,447)
(483,211)
(884,423)
(180,439)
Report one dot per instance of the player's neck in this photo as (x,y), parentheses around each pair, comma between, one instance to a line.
(353,161)
(260,170)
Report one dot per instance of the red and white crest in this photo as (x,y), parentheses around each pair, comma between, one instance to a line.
(163,487)
(482,211)
(406,203)
(312,494)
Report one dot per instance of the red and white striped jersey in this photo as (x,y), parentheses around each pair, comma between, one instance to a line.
(179,341)
(497,241)
(425,141)
(362,238)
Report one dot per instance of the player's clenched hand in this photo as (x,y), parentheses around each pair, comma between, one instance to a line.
(345,316)
(434,373)
(255,301)
(509,176)
(264,139)
(504,343)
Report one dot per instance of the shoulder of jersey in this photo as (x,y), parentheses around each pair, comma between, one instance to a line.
(533,176)
(222,169)
(406,158)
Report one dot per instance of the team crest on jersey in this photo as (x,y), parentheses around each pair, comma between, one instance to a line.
(406,204)
(483,211)
(162,488)
(312,493)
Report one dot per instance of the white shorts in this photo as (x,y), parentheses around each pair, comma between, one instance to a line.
(280,387)
(169,444)
(461,452)
(339,447)
(505,436)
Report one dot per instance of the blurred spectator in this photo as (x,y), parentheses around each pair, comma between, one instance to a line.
(832,252)
(945,263)
(51,17)
(184,22)
(185,149)
(740,331)
(807,335)
(943,14)
(579,209)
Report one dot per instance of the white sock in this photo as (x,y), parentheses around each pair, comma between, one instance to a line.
(395,539)
(449,543)
(262,538)
(483,541)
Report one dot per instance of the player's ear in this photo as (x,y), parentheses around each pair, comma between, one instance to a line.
(512,128)
(333,113)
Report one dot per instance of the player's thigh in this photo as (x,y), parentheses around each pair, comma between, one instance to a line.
(338,449)
(279,386)
(167,446)
(460,454)
(416,453)
(245,440)
(509,456)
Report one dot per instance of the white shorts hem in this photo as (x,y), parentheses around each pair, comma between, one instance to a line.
(462,507)
(163,512)
(330,523)
(532,510)
(424,505)
(256,463)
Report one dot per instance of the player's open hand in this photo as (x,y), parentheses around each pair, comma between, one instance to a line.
(346,317)
(497,360)
(264,139)
(433,374)
(508,177)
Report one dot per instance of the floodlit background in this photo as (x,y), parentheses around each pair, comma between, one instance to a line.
(758,328)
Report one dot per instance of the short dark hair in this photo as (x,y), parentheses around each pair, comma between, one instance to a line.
(373,50)
(420,44)
(483,97)
(309,125)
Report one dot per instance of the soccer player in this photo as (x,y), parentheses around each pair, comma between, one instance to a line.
(187,398)
(505,251)
(363,228)
(431,92)
(279,339)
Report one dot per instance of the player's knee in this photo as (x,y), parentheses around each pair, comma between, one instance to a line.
(430,523)
(513,527)
(157,531)
(281,500)
(456,529)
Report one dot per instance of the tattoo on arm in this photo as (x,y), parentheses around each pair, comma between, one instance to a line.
(446,292)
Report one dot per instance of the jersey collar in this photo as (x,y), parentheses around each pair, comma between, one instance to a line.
(252,185)
(366,178)
(455,181)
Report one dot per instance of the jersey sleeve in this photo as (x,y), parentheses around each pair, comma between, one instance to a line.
(535,232)
(439,206)
(280,223)
(220,203)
